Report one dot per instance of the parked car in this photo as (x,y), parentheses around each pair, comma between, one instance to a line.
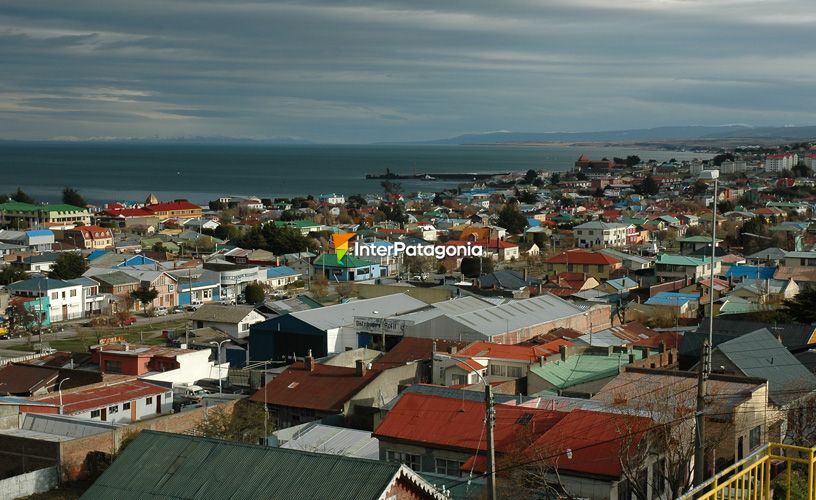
(124,322)
(162,311)
(177,309)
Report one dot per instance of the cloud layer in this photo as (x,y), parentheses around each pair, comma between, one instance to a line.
(363,71)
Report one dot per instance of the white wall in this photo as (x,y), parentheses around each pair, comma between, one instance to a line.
(192,366)
(143,409)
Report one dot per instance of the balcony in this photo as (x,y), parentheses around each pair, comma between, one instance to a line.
(773,471)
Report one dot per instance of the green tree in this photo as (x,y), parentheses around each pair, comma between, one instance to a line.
(158,247)
(530,176)
(71,196)
(394,213)
(22,197)
(555,178)
(10,274)
(650,186)
(254,293)
(511,219)
(69,265)
(145,295)
(471,266)
(699,187)
(802,308)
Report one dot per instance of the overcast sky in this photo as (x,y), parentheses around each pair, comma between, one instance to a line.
(363,71)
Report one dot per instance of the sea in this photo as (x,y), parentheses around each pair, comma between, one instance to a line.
(129,172)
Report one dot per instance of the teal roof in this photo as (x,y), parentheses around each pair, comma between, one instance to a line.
(682,260)
(14,206)
(348,261)
(580,369)
(697,239)
(300,224)
(164,465)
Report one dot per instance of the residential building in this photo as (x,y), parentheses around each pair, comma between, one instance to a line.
(94,301)
(37,264)
(234,278)
(596,264)
(601,234)
(350,268)
(776,163)
(164,284)
(120,285)
(690,245)
(234,320)
(630,261)
(22,215)
(90,237)
(157,363)
(800,259)
(281,276)
(65,300)
(672,267)
(203,464)
(121,402)
(197,286)
(332,199)
(178,209)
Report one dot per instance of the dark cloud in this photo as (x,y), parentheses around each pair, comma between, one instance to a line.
(365,70)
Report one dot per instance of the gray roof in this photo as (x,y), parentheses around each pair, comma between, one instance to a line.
(82,280)
(759,354)
(321,438)
(115,278)
(38,283)
(163,465)
(773,253)
(596,224)
(518,314)
(330,317)
(221,313)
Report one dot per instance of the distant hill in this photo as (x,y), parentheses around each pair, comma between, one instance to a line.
(658,133)
(214,140)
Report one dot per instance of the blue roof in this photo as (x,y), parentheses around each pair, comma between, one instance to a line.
(96,253)
(672,299)
(280,271)
(754,272)
(40,232)
(533,222)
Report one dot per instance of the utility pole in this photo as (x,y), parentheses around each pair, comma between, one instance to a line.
(490,417)
(699,434)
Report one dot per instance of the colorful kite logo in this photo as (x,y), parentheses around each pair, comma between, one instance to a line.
(341,243)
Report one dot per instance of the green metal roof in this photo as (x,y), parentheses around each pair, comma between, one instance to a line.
(348,261)
(697,239)
(163,465)
(682,260)
(15,206)
(300,223)
(580,369)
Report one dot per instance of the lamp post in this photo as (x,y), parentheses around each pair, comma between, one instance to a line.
(712,175)
(490,422)
(59,389)
(218,358)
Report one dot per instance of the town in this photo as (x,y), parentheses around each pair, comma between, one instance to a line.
(619,328)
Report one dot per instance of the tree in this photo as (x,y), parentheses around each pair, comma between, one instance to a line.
(10,274)
(71,196)
(394,213)
(650,185)
(68,266)
(145,295)
(511,219)
(699,187)
(555,178)
(254,293)
(471,267)
(217,205)
(158,247)
(21,197)
(802,307)
(320,287)
(530,176)
(421,266)
(581,176)
(245,423)
(391,187)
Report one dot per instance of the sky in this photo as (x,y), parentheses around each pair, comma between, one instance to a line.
(346,71)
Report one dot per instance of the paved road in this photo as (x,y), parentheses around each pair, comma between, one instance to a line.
(69,328)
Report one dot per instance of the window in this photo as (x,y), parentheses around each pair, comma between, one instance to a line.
(170,288)
(459,379)
(126,406)
(755,437)
(447,467)
(54,295)
(149,400)
(506,371)
(113,409)
(408,459)
(95,413)
(113,366)
(73,293)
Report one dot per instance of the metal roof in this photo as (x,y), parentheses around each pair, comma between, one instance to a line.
(518,314)
(330,317)
(162,465)
(321,438)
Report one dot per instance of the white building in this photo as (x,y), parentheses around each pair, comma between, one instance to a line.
(124,402)
(65,299)
(779,162)
(332,199)
(733,167)
(232,320)
(598,233)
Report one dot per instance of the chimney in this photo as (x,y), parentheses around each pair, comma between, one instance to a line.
(308,362)
(564,350)
(541,360)
(360,366)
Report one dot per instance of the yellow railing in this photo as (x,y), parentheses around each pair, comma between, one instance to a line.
(753,477)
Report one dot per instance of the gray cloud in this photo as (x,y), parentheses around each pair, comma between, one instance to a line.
(365,70)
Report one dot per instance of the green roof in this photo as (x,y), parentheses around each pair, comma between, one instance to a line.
(682,260)
(163,465)
(300,223)
(697,239)
(580,368)
(61,207)
(14,206)
(349,261)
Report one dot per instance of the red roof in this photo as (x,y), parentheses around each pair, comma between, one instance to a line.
(128,212)
(578,256)
(327,388)
(172,206)
(89,399)
(516,352)
(457,423)
(481,243)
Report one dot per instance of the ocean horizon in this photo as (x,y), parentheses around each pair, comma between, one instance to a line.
(199,173)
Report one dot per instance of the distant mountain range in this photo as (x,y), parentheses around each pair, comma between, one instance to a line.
(214,140)
(646,134)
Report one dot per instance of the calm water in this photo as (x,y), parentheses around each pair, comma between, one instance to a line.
(201,173)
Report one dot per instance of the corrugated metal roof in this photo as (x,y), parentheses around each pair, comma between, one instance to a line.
(333,440)
(159,465)
(518,314)
(329,317)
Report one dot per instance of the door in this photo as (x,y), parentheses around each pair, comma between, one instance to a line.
(133,411)
(158,404)
(64,312)
(104,414)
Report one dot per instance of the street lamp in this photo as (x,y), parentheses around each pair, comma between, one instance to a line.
(490,422)
(707,175)
(382,329)
(59,389)
(218,358)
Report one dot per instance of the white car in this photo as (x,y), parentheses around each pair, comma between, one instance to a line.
(161,311)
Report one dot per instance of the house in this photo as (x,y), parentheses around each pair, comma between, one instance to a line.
(671,267)
(37,264)
(162,282)
(332,199)
(677,305)
(37,240)
(94,301)
(240,471)
(307,391)
(601,234)
(234,320)
(303,225)
(35,312)
(174,209)
(20,215)
(24,380)
(197,286)
(281,276)
(199,224)
(121,402)
(65,299)
(800,259)
(120,285)
(329,439)
(350,268)
(690,245)
(234,278)
(595,264)
(93,237)
(630,261)
(158,364)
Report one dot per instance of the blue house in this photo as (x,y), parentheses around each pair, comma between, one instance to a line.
(350,268)
(197,286)
(740,272)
